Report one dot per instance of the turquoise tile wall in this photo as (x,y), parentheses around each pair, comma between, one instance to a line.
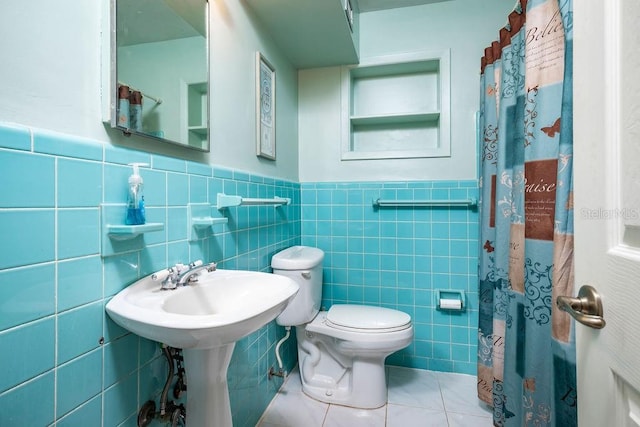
(56,282)
(398,258)
(60,351)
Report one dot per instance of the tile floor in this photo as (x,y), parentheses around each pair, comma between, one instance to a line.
(416,398)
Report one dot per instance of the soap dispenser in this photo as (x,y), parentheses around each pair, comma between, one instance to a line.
(135,199)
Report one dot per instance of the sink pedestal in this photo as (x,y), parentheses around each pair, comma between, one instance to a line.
(207,391)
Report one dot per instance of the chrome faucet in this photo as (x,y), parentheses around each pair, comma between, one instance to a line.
(191,275)
(181,274)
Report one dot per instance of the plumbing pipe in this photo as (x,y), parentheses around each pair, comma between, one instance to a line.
(288,329)
(165,390)
(169,411)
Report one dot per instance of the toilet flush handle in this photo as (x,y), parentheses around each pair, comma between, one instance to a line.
(306,274)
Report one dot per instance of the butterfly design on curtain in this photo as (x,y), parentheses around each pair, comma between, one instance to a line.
(553,129)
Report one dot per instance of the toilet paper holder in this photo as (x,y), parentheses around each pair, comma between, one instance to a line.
(450,300)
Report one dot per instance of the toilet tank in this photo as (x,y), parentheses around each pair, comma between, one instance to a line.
(303,264)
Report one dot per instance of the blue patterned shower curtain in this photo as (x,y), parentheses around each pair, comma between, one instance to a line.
(526,346)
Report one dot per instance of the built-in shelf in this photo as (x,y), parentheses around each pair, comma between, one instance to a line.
(125,232)
(199,130)
(227,201)
(118,237)
(385,119)
(201,220)
(396,106)
(196,99)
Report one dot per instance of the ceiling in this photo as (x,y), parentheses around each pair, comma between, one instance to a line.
(371,5)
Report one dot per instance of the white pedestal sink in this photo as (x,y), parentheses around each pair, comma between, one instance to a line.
(205,319)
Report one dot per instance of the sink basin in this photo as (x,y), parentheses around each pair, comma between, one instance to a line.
(220,308)
(205,319)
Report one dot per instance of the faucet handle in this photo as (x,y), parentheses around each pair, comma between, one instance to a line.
(162,274)
(169,277)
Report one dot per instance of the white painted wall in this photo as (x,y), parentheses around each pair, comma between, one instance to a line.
(50,73)
(465,27)
(236,35)
(50,79)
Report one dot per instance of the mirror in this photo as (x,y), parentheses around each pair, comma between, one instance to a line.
(160,70)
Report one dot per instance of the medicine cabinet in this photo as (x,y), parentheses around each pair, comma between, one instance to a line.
(156,70)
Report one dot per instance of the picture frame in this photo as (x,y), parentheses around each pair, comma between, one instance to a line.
(265,108)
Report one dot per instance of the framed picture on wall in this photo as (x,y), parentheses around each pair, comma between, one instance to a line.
(265,108)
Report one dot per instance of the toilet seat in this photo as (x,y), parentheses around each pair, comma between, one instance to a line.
(370,338)
(366,319)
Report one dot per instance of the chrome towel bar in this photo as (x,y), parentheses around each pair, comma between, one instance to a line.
(225,201)
(424,203)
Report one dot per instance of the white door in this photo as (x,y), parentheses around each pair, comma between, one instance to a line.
(607,207)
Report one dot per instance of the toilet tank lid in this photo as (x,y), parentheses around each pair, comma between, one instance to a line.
(366,317)
(297,258)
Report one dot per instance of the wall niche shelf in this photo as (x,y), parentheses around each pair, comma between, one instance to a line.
(196,98)
(199,130)
(396,106)
(397,118)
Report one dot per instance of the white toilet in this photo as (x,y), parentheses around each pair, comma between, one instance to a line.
(341,352)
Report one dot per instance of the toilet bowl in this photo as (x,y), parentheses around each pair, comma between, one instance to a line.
(341,352)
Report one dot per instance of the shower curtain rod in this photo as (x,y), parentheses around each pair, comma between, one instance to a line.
(153,98)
